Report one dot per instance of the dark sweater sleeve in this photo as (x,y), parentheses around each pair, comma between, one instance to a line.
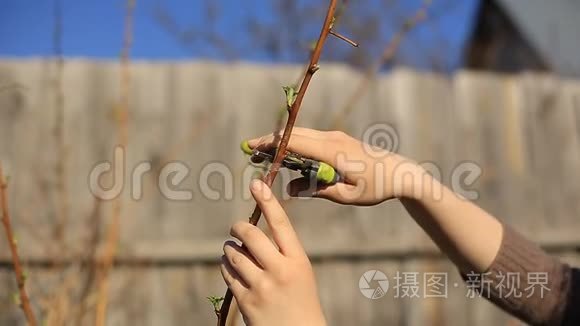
(529,284)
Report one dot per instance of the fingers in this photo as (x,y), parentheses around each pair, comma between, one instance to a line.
(258,244)
(278,222)
(314,144)
(241,261)
(341,193)
(232,279)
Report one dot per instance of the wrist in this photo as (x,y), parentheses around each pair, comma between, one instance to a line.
(411,181)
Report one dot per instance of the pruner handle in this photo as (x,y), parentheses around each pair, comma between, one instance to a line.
(323,173)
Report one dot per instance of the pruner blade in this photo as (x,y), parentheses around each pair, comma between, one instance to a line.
(322,172)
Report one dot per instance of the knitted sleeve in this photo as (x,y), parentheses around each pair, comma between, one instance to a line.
(529,284)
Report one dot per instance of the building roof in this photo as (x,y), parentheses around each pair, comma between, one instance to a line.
(552,28)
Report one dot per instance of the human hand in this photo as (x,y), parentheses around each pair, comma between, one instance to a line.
(371,175)
(273,286)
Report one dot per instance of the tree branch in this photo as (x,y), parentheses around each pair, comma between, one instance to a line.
(387,57)
(20,276)
(293,114)
(59,132)
(122,115)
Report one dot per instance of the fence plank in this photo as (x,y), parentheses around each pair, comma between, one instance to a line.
(523,131)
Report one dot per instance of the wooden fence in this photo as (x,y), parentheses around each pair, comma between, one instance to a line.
(522,131)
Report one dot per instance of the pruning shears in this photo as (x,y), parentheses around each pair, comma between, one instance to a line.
(313,169)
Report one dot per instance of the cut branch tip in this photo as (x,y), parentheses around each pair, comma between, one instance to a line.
(314,68)
(343,38)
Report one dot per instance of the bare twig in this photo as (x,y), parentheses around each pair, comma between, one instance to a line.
(94,224)
(344,38)
(387,57)
(112,232)
(187,37)
(18,270)
(269,178)
(61,164)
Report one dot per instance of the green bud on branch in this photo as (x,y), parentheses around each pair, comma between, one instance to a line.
(16,298)
(216,302)
(291,95)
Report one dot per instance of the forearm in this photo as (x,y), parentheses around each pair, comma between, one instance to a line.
(478,243)
(468,235)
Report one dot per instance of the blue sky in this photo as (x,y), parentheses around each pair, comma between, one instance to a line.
(94,28)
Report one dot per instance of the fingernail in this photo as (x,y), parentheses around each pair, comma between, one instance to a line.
(229,243)
(256,185)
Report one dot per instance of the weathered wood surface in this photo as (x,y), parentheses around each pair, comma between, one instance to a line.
(523,131)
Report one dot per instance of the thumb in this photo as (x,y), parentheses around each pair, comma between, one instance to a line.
(282,231)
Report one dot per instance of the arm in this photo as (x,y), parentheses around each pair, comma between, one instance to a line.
(473,239)
(469,235)
(478,243)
